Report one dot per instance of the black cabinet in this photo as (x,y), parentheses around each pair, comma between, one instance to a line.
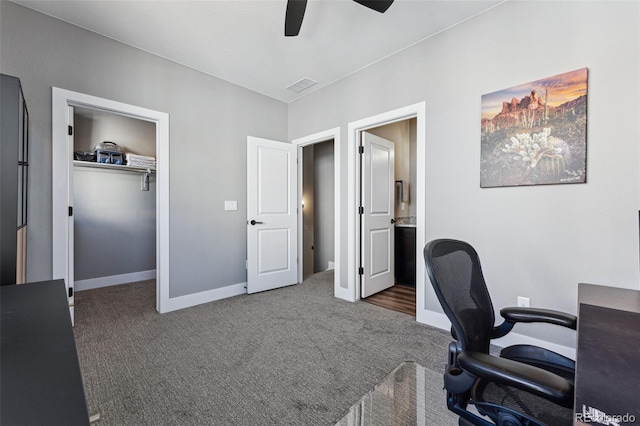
(405,256)
(14,173)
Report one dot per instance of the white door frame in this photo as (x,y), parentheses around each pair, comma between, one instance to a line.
(417,111)
(62,166)
(323,136)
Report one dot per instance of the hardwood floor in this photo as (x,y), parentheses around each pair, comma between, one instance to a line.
(400,298)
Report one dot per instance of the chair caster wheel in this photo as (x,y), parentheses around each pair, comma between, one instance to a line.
(506,419)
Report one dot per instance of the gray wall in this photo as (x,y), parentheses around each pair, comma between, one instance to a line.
(539,241)
(114,223)
(92,127)
(209,123)
(323,215)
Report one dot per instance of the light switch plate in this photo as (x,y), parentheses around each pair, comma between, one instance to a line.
(231,205)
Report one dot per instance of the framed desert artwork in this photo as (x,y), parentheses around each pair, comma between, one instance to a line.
(535,133)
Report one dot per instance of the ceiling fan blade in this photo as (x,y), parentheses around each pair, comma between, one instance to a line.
(377,5)
(293,17)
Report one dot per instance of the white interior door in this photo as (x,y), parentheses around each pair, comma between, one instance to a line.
(377,255)
(70,258)
(271,214)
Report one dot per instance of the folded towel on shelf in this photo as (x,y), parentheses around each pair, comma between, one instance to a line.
(137,157)
(141,161)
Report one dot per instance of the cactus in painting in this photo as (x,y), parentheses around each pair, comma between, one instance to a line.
(538,149)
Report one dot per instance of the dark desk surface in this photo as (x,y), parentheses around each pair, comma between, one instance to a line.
(608,354)
(39,370)
(609,297)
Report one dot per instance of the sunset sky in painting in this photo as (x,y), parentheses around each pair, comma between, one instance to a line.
(561,88)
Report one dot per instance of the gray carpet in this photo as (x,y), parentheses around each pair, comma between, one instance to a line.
(295,356)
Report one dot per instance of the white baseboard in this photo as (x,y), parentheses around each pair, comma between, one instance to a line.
(343,293)
(113,280)
(438,320)
(434,319)
(189,300)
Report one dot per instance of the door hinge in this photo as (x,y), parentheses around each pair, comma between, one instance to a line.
(361,271)
(70,291)
(70,211)
(361,210)
(70,130)
(361,149)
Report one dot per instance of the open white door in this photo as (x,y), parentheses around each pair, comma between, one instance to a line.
(271,214)
(70,245)
(377,256)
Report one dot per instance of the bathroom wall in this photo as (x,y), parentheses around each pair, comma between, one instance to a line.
(403,135)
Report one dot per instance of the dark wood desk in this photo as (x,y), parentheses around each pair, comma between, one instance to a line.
(40,381)
(608,356)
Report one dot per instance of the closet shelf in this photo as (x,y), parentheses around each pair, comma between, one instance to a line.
(92,165)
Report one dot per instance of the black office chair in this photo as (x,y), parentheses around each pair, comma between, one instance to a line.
(526,385)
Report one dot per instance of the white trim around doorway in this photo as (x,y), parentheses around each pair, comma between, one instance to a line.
(62,158)
(417,111)
(338,290)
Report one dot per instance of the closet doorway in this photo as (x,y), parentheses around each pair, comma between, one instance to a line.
(114,217)
(64,102)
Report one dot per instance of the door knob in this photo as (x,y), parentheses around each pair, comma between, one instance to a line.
(393,221)
(253,222)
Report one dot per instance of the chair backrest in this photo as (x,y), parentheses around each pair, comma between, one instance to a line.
(454,269)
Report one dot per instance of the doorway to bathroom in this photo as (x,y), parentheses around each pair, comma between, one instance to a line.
(401,295)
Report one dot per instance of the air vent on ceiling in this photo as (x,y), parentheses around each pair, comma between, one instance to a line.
(301,85)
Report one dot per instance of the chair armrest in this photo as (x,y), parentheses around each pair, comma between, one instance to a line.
(522,376)
(517,314)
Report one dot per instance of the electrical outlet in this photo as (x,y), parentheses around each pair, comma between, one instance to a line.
(523,302)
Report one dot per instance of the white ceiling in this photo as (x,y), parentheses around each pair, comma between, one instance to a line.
(242,41)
